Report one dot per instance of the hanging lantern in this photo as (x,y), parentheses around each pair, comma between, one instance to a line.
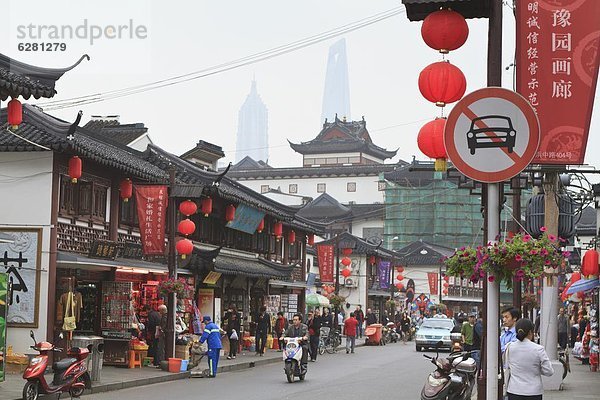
(15,113)
(442,83)
(445,292)
(346,272)
(399,286)
(400,269)
(261,226)
(188,208)
(346,251)
(446,278)
(184,247)
(311,239)
(431,142)
(126,188)
(400,277)
(278,229)
(444,30)
(75,166)
(346,261)
(291,237)
(206,206)
(446,284)
(589,264)
(186,227)
(372,260)
(229,213)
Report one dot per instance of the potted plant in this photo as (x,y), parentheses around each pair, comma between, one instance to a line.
(336,300)
(173,286)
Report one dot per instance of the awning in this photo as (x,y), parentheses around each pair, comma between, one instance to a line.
(252,267)
(583,285)
(73,260)
(379,293)
(276,283)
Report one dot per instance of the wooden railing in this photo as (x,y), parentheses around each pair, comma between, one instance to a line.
(78,239)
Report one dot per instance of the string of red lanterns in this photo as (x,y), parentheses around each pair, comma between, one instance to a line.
(186,227)
(431,142)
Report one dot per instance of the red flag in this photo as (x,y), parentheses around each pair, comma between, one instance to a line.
(557,71)
(326,262)
(432,277)
(152,207)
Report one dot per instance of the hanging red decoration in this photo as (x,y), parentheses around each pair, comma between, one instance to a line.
(311,239)
(400,277)
(346,261)
(446,284)
(186,227)
(446,278)
(188,208)
(445,291)
(206,206)
(278,229)
(445,30)
(291,237)
(400,269)
(442,83)
(399,285)
(184,247)
(431,142)
(372,260)
(126,188)
(15,113)
(346,251)
(346,272)
(75,166)
(229,213)
(589,264)
(261,226)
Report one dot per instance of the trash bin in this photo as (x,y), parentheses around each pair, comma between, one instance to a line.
(95,345)
(373,331)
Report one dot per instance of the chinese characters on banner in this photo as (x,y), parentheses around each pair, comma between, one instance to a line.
(384,274)
(325,258)
(432,277)
(557,70)
(151,207)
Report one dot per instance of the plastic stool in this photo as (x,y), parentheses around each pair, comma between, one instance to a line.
(147,361)
(135,358)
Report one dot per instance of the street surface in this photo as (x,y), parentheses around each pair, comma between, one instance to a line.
(392,371)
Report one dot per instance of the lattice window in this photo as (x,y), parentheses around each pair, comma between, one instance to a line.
(78,239)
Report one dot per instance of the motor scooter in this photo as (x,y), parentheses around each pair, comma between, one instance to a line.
(457,344)
(292,356)
(392,333)
(70,374)
(453,378)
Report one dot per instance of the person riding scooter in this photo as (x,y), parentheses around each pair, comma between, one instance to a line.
(299,330)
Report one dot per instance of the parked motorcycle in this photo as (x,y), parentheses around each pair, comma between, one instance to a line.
(70,374)
(292,356)
(453,378)
(392,333)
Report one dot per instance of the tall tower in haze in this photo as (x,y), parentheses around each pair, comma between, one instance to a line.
(336,97)
(252,134)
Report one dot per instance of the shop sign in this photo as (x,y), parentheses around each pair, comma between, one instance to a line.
(557,71)
(132,250)
(432,278)
(246,219)
(3,313)
(20,260)
(151,207)
(325,257)
(212,278)
(104,249)
(384,274)
(205,302)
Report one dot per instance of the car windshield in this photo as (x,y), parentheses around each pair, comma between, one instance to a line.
(495,122)
(438,324)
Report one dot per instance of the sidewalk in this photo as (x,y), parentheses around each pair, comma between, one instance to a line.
(580,384)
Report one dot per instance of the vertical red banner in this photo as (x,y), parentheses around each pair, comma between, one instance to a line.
(432,277)
(152,207)
(557,70)
(326,262)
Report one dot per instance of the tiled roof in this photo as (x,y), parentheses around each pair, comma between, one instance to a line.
(403,176)
(423,253)
(313,172)
(324,208)
(248,163)
(417,10)
(122,133)
(358,245)
(585,223)
(24,80)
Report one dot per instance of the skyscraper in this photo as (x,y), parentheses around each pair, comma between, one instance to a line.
(252,134)
(336,97)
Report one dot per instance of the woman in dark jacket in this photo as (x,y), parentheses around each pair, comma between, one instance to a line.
(233,329)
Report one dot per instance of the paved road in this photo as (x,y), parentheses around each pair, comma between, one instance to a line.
(394,371)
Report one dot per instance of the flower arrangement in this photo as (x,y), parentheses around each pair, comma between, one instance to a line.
(336,300)
(521,256)
(177,286)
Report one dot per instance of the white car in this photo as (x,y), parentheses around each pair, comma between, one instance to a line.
(433,330)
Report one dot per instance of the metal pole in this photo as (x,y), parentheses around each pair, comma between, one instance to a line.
(171,261)
(337,264)
(517,286)
(493,298)
(440,284)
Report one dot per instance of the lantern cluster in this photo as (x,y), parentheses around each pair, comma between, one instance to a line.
(186,227)
(346,262)
(441,82)
(328,290)
(399,285)
(446,285)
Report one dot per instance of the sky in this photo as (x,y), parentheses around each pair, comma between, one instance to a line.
(166,39)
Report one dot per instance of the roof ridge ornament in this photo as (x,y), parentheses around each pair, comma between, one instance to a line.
(74,125)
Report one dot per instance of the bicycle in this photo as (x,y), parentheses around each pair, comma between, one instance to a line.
(329,341)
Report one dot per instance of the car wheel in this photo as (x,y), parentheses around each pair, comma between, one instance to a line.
(419,348)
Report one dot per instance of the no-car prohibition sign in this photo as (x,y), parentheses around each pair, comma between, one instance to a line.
(492,134)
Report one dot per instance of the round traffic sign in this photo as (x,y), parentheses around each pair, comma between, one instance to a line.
(492,134)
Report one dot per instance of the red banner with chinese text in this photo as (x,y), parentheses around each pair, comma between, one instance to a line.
(432,277)
(151,208)
(326,262)
(557,70)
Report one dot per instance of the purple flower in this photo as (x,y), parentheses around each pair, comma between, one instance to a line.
(548,262)
(552,238)
(491,278)
(463,248)
(533,252)
(518,258)
(520,274)
(543,229)
(526,238)
(566,254)
(544,252)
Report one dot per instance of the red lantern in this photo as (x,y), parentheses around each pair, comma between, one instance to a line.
(442,83)
(278,229)
(446,278)
(229,213)
(589,264)
(186,227)
(188,208)
(346,261)
(400,269)
(372,260)
(400,277)
(75,165)
(445,291)
(184,247)
(206,206)
(445,30)
(346,251)
(311,239)
(431,142)
(291,237)
(15,113)
(399,285)
(346,273)
(126,187)
(261,226)
(446,284)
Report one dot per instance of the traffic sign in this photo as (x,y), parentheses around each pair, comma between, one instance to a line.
(492,134)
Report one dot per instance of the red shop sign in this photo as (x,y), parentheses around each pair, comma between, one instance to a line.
(432,277)
(557,71)
(152,207)
(325,258)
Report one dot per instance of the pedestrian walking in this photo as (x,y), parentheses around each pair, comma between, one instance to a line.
(281,325)
(477,338)
(350,326)
(233,333)
(314,331)
(405,327)
(153,322)
(212,335)
(263,328)
(360,317)
(510,316)
(327,318)
(527,362)
(563,328)
(467,331)
(161,336)
(370,317)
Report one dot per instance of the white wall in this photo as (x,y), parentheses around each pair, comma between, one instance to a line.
(419,276)
(25,199)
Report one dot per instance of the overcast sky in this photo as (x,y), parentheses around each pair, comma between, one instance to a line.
(179,37)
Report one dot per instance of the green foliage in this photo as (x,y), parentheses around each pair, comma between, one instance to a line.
(337,300)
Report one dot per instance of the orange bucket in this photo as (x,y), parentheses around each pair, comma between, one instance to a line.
(174,364)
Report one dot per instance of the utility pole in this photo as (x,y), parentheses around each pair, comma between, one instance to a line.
(172,265)
(517,286)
